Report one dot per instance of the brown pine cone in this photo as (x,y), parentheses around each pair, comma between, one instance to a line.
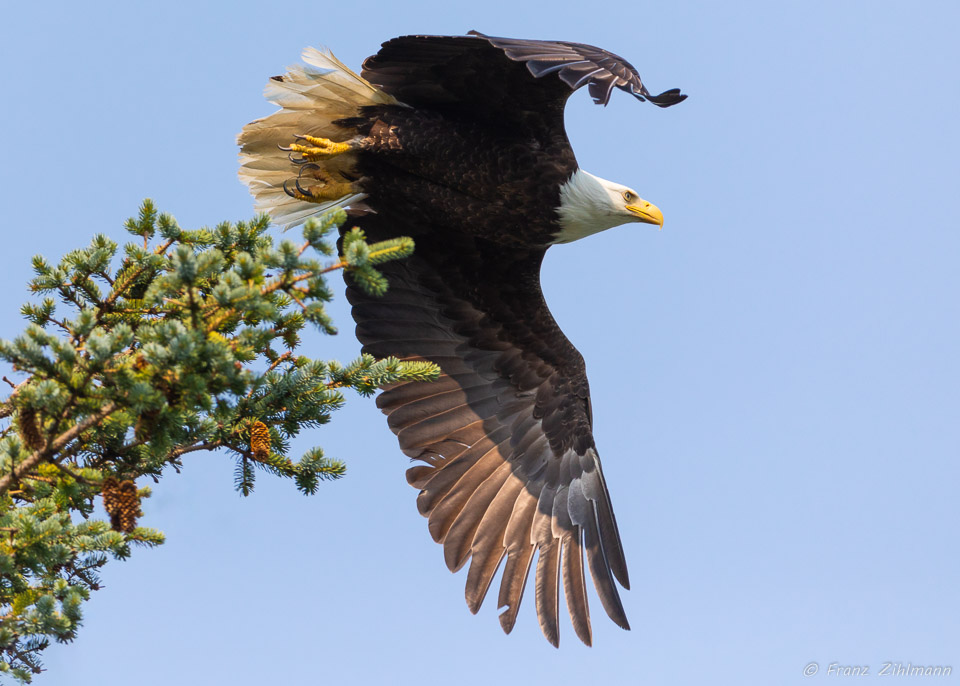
(28,428)
(129,507)
(111,495)
(260,440)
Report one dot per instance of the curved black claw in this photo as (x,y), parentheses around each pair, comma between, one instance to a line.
(290,192)
(300,188)
(309,167)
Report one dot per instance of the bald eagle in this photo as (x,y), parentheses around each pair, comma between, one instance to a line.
(459,142)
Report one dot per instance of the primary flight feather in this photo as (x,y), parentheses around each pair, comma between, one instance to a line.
(458,141)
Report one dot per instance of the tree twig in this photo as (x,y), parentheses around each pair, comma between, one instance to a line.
(54,446)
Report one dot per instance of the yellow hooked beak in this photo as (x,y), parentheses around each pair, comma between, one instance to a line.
(647,212)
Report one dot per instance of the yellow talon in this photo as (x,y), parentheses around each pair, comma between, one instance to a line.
(319,149)
(324,188)
(331,191)
(323,194)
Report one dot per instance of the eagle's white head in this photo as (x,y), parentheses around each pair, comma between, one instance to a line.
(589,204)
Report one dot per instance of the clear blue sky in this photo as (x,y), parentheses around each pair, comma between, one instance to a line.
(775,375)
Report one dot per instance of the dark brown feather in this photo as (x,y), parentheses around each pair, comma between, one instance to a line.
(548,572)
(488,544)
(520,551)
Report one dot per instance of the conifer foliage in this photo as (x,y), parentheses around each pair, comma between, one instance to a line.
(182,341)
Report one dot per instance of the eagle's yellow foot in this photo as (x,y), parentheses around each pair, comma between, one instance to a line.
(317,186)
(318,148)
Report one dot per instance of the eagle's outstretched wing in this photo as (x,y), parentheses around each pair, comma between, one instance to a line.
(511,465)
(491,76)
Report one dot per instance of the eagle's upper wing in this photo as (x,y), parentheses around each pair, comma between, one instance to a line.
(492,76)
(578,64)
(511,465)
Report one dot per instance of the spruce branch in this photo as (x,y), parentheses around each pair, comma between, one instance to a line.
(53,448)
(182,342)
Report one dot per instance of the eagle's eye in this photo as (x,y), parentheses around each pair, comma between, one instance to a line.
(629,196)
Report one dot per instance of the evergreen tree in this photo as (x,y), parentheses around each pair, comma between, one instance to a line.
(187,342)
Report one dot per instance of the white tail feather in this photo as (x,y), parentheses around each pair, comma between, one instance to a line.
(311,96)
